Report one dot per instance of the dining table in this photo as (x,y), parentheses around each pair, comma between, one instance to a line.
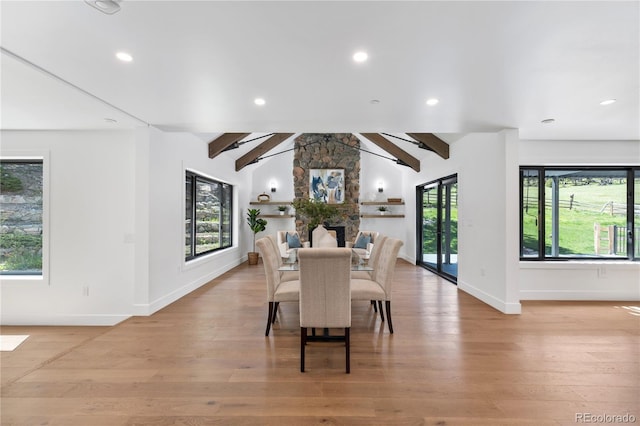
(291,263)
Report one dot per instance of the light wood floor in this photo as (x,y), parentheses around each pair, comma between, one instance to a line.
(452,360)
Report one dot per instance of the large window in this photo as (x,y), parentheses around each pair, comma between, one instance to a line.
(208,208)
(579,213)
(21,217)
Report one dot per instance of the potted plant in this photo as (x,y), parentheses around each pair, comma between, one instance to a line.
(282,209)
(256,224)
(315,212)
(382,210)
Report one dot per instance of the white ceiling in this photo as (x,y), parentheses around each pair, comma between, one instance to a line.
(198,66)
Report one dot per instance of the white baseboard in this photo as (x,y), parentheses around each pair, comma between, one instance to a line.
(494,302)
(581,295)
(63,320)
(156,305)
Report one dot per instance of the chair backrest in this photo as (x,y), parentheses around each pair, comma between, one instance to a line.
(387,264)
(374,257)
(325,287)
(270,258)
(322,238)
(274,243)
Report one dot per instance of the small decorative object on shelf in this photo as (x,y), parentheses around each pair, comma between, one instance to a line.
(282,209)
(382,210)
(264,197)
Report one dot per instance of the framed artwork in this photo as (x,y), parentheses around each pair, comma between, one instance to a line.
(327,185)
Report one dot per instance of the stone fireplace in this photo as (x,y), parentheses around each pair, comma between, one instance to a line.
(329,151)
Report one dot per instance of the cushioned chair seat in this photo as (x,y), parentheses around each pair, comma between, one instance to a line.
(287,291)
(366,289)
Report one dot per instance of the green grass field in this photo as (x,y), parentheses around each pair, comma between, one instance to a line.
(576,225)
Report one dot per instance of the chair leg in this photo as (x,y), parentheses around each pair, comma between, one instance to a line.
(348,348)
(275,311)
(303,342)
(380,309)
(375,307)
(388,306)
(269,318)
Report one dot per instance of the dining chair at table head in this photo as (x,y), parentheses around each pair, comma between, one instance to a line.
(321,237)
(325,294)
(278,290)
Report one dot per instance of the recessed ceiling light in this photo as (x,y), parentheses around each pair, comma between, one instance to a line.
(607,102)
(107,6)
(374,101)
(548,121)
(259,101)
(432,101)
(124,56)
(360,56)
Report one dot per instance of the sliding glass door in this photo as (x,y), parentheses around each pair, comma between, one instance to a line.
(438,226)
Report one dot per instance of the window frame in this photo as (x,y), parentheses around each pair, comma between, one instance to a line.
(631,172)
(225,188)
(43,157)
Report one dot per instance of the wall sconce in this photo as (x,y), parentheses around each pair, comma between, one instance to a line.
(272,184)
(380,186)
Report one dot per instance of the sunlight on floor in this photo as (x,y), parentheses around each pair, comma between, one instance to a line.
(10,342)
(633,310)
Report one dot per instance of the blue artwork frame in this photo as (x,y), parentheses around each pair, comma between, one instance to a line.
(326,185)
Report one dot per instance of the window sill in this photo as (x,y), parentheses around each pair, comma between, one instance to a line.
(579,264)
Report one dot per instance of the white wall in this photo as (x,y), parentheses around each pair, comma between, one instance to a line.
(169,276)
(279,169)
(374,169)
(486,260)
(117,226)
(596,280)
(91,177)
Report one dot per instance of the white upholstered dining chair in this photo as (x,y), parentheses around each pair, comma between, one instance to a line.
(278,289)
(379,286)
(321,237)
(325,295)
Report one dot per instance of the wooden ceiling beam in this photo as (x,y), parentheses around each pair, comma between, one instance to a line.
(261,149)
(223,142)
(433,142)
(394,150)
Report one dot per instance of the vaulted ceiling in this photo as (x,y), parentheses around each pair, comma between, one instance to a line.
(198,66)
